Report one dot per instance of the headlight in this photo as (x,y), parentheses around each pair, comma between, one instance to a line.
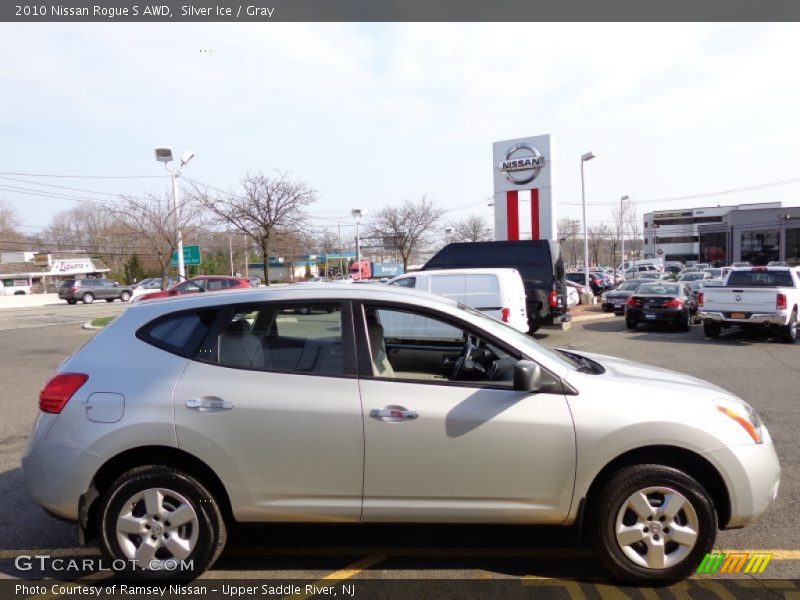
(745,416)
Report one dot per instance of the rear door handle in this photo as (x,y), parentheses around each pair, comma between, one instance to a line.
(393,414)
(209,404)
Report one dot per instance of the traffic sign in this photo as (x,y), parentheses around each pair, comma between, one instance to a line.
(191,256)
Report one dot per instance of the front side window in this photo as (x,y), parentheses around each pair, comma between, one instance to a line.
(408,345)
(288,338)
(406,282)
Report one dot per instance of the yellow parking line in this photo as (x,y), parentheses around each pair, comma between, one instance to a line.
(346,573)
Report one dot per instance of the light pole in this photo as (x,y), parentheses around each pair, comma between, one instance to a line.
(357,213)
(448,231)
(586,157)
(622,235)
(164,154)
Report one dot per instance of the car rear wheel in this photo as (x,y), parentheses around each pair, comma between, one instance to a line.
(789,332)
(72,301)
(125,296)
(711,329)
(630,323)
(652,522)
(161,522)
(87,298)
(685,324)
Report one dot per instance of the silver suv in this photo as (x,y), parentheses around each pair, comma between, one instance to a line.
(91,289)
(382,404)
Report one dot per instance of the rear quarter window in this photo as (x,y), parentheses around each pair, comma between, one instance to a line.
(760,279)
(179,333)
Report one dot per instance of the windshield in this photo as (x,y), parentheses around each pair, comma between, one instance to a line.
(522,339)
(630,286)
(692,276)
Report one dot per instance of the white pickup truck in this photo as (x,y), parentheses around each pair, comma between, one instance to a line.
(756,297)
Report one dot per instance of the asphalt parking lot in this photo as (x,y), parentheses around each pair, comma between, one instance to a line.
(453,559)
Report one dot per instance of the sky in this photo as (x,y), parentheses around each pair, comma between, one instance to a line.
(373,114)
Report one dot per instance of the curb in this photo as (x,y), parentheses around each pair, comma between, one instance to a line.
(88,325)
(593,317)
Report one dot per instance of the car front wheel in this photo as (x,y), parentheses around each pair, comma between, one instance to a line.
(125,296)
(161,522)
(652,522)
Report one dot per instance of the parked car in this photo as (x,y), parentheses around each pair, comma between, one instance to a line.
(499,293)
(254,281)
(650,275)
(539,262)
(89,290)
(755,297)
(661,302)
(221,411)
(614,300)
(596,283)
(202,283)
(687,276)
(577,288)
(149,285)
(637,270)
(573,295)
(738,265)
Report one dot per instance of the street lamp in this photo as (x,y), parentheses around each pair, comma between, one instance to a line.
(622,234)
(586,157)
(357,214)
(164,154)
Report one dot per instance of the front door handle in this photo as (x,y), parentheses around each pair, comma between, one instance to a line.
(209,404)
(393,413)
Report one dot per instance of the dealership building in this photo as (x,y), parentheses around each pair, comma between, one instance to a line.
(757,233)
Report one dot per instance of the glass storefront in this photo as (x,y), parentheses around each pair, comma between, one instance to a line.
(793,246)
(714,247)
(760,247)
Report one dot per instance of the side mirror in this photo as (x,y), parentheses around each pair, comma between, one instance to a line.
(527,376)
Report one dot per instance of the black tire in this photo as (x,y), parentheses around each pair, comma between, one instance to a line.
(87,298)
(685,324)
(630,323)
(72,301)
(125,296)
(697,514)
(789,332)
(711,329)
(211,532)
(533,328)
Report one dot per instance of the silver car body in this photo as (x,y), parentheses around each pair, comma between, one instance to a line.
(304,448)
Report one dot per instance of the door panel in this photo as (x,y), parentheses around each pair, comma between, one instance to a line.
(471,455)
(290,449)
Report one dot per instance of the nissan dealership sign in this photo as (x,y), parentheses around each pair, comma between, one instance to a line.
(522,163)
(523,207)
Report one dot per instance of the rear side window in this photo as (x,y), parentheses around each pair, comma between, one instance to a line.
(760,279)
(180,333)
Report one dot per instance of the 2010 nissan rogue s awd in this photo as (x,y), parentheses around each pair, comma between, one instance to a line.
(321,403)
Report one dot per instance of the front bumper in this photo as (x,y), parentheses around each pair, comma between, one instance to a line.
(752,475)
(749,318)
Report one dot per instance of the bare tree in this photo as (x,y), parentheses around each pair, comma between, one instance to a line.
(9,223)
(153,220)
(268,205)
(410,226)
(634,226)
(568,230)
(597,237)
(473,228)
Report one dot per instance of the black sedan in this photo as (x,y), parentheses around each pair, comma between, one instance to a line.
(661,302)
(614,300)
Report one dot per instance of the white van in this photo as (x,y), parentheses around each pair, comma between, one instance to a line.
(499,293)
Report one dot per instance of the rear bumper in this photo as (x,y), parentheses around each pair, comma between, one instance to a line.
(658,315)
(752,319)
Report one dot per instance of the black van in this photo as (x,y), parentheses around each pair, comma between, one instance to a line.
(539,263)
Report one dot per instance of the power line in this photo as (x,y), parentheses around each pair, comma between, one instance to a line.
(83,176)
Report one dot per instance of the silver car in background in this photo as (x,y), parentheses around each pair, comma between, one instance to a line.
(376,404)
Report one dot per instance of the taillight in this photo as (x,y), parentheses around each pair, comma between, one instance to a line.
(675,303)
(56,393)
(553,298)
(700,299)
(781,302)
(634,301)
(73,290)
(506,314)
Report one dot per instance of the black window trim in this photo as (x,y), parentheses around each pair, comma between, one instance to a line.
(365,358)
